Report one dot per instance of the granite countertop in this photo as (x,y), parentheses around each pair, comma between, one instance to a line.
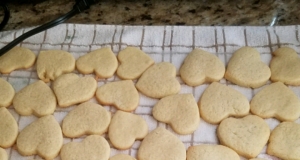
(160,12)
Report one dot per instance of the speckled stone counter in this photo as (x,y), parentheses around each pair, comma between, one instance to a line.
(161,12)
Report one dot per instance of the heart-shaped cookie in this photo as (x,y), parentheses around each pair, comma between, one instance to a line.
(122,94)
(284,141)
(101,61)
(200,67)
(246,69)
(133,63)
(93,147)
(42,137)
(16,58)
(36,98)
(247,136)
(285,66)
(125,128)
(53,63)
(276,100)
(211,152)
(86,118)
(7,93)
(219,101)
(159,81)
(122,157)
(180,111)
(71,89)
(8,128)
(3,154)
(160,144)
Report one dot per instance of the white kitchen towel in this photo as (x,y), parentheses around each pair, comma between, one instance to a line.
(162,43)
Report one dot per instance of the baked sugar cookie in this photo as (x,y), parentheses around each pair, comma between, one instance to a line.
(219,101)
(42,137)
(285,66)
(160,144)
(101,61)
(122,157)
(71,89)
(284,141)
(246,69)
(36,98)
(121,94)
(276,100)
(133,63)
(3,154)
(7,93)
(8,128)
(86,118)
(180,111)
(93,147)
(16,58)
(247,136)
(257,159)
(159,81)
(125,128)
(53,63)
(201,67)
(211,152)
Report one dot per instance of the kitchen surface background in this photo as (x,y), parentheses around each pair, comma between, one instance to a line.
(160,12)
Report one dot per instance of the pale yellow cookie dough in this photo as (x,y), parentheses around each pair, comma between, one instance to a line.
(125,128)
(43,137)
(246,69)
(3,154)
(7,93)
(71,89)
(247,136)
(122,157)
(276,100)
(8,128)
(53,63)
(16,58)
(180,111)
(211,152)
(36,98)
(285,66)
(284,141)
(159,81)
(160,144)
(219,101)
(87,118)
(93,147)
(201,67)
(101,61)
(133,63)
(121,94)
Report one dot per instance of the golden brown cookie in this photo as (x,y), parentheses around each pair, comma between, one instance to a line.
(8,128)
(201,67)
